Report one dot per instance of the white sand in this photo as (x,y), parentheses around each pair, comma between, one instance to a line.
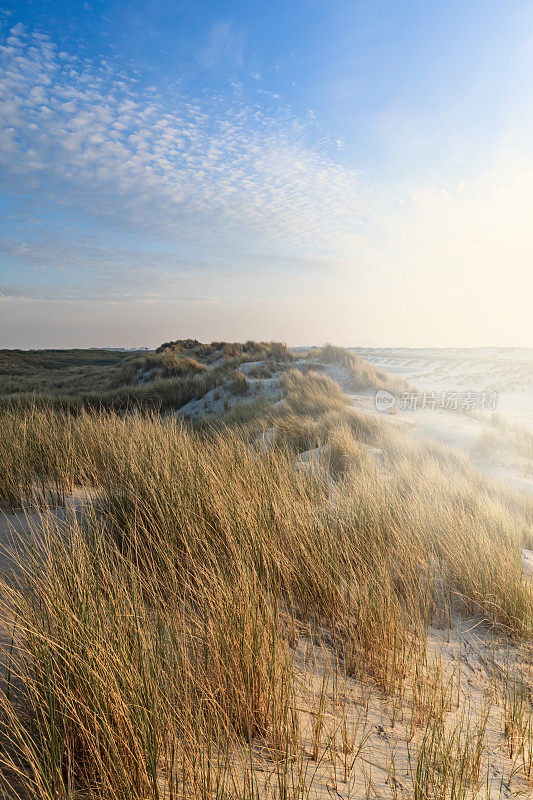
(508,371)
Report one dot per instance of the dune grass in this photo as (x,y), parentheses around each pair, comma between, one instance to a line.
(53,372)
(362,376)
(506,441)
(311,393)
(163,380)
(154,635)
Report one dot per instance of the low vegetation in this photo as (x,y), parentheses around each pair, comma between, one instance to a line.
(59,372)
(361,376)
(223,615)
(506,441)
(176,373)
(311,393)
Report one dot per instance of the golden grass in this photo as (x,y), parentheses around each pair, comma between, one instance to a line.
(311,393)
(506,441)
(154,636)
(362,376)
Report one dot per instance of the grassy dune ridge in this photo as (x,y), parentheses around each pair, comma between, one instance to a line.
(156,635)
(168,378)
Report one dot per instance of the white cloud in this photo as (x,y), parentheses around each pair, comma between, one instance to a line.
(220,169)
(224,45)
(218,187)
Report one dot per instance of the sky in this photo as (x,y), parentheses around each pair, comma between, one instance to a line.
(310,170)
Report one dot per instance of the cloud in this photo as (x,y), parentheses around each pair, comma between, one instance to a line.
(219,170)
(224,46)
(234,188)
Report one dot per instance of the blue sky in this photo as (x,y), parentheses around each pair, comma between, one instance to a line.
(360,172)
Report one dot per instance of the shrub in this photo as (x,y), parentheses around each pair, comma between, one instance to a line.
(179,345)
(345,452)
(297,431)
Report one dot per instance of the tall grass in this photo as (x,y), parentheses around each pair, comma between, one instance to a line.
(134,687)
(311,394)
(361,375)
(506,441)
(154,635)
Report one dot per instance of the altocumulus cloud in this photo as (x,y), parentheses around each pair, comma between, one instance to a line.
(239,182)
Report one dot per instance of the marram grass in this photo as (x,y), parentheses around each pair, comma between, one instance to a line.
(154,634)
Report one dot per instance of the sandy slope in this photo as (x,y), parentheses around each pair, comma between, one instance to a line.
(451,427)
(508,371)
(355,742)
(384,734)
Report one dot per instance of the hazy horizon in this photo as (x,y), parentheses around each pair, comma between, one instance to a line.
(393,347)
(360,173)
